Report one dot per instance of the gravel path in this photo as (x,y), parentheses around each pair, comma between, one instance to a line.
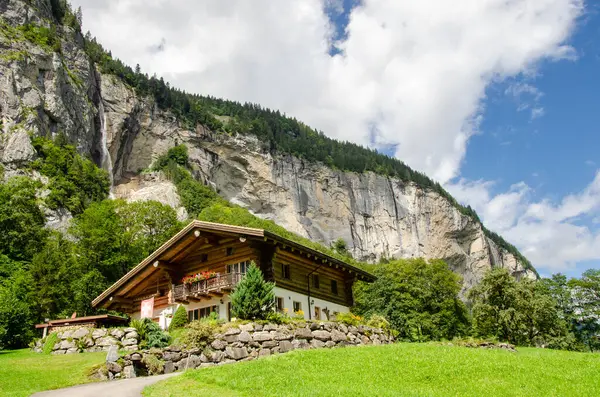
(118,388)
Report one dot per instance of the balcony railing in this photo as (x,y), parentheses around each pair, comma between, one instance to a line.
(212,286)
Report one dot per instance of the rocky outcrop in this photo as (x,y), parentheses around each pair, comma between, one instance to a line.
(46,92)
(244,343)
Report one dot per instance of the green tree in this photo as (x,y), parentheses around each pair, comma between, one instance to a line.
(180,319)
(21,220)
(521,312)
(16,316)
(253,298)
(418,297)
(586,301)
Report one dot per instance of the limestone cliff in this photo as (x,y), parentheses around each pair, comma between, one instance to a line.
(44,92)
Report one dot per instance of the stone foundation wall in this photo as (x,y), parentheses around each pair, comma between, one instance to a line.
(86,339)
(243,343)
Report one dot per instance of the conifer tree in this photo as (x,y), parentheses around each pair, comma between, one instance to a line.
(253,298)
(180,318)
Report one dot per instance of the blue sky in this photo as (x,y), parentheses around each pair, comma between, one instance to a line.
(496,100)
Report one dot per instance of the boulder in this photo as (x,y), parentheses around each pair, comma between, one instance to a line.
(65,334)
(236,353)
(321,335)
(113,366)
(106,341)
(232,331)
(169,367)
(329,343)
(264,352)
(65,344)
(59,352)
(278,335)
(303,333)
(247,327)
(218,344)
(72,350)
(269,327)
(172,356)
(98,333)
(300,344)
(113,354)
(337,336)
(317,344)
(131,348)
(136,357)
(117,333)
(217,357)
(315,326)
(262,336)
(129,329)
(132,335)
(343,328)
(245,336)
(129,342)
(129,372)
(285,346)
(269,344)
(80,333)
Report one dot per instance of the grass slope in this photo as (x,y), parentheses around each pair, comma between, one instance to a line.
(396,370)
(23,372)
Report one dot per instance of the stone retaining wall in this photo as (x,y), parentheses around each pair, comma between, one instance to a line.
(243,343)
(86,339)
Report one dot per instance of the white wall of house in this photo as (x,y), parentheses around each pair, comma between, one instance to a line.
(289,297)
(164,314)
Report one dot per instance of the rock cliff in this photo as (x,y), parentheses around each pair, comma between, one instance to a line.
(47,92)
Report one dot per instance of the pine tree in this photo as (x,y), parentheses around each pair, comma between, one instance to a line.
(180,319)
(253,298)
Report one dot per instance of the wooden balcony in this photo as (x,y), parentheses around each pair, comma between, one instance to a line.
(205,289)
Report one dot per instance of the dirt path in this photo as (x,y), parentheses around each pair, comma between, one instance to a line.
(119,388)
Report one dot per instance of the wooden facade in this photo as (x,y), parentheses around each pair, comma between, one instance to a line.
(225,251)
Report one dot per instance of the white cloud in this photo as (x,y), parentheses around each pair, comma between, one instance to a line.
(413,72)
(554,236)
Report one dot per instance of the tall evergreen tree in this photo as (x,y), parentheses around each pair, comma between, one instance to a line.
(253,298)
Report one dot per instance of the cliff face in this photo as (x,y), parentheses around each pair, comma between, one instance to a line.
(46,93)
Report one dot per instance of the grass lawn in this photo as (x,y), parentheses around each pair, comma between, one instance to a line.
(396,370)
(23,372)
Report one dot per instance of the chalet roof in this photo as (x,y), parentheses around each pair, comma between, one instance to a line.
(177,244)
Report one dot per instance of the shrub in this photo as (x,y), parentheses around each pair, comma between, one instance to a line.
(177,154)
(153,364)
(277,318)
(199,334)
(253,298)
(150,333)
(377,321)
(180,319)
(49,343)
(348,318)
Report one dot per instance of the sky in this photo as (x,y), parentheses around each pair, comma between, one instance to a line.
(498,100)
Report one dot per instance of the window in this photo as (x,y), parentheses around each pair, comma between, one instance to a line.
(241,267)
(285,271)
(279,304)
(315,278)
(334,288)
(297,306)
(317,313)
(203,312)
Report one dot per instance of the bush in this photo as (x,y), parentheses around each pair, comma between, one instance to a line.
(349,319)
(180,319)
(200,333)
(253,298)
(277,318)
(377,321)
(177,154)
(49,343)
(150,333)
(154,365)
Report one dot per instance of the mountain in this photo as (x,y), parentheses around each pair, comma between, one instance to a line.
(56,80)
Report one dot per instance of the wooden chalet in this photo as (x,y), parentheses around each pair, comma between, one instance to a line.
(200,265)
